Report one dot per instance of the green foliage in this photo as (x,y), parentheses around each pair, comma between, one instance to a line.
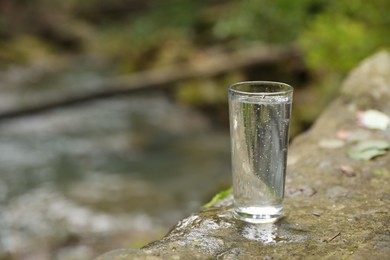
(160,36)
(278,21)
(206,91)
(341,36)
(180,16)
(218,197)
(322,24)
(334,35)
(367,150)
(25,49)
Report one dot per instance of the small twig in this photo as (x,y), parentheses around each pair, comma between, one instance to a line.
(338,234)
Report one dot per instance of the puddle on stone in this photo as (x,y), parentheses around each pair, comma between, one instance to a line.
(269,234)
(266,233)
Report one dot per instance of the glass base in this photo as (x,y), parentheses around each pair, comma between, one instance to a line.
(259,215)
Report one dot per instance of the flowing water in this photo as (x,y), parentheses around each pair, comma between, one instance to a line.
(80,181)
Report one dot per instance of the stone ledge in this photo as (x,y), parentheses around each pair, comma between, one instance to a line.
(331,212)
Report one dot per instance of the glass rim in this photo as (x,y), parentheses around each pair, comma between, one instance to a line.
(285,88)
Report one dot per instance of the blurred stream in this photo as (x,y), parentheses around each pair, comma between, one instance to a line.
(79,181)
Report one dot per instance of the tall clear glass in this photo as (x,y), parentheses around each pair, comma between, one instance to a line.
(259,129)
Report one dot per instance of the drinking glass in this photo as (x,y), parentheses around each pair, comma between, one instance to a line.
(259,114)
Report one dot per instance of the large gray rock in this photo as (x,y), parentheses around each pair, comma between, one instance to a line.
(336,207)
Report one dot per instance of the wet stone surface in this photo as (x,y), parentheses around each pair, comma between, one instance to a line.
(329,214)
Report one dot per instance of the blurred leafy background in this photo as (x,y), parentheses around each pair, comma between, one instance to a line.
(45,43)
(132,36)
